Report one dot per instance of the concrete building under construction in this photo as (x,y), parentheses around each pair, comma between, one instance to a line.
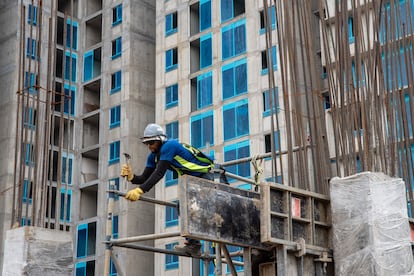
(292,98)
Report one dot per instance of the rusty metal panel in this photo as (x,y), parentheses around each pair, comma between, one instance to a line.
(290,214)
(218,212)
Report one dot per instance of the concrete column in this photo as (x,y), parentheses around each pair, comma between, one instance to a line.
(37,251)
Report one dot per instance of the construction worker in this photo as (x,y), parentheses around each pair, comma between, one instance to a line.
(167,154)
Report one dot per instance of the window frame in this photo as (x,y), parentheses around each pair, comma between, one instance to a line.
(171,59)
(265,67)
(229,49)
(237,107)
(171,23)
(116,82)
(204,15)
(204,94)
(233,91)
(171,96)
(202,139)
(116,47)
(114,152)
(171,261)
(237,168)
(115,117)
(32,15)
(117,15)
(171,216)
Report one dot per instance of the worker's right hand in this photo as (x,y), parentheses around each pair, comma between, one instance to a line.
(127,171)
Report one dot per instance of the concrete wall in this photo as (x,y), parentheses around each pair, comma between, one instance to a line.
(37,252)
(9,18)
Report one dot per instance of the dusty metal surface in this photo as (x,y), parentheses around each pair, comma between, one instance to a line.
(217,212)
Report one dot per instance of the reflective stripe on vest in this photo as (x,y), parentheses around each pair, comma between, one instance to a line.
(190,167)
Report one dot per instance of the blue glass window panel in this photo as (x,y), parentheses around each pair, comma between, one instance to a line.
(32,15)
(235,75)
(202,129)
(171,59)
(112,268)
(82,241)
(115,117)
(171,130)
(351,30)
(265,66)
(171,178)
(114,152)
(29,156)
(116,48)
(236,119)
(408,112)
(80,269)
(271,14)
(70,100)
(67,179)
(233,39)
(226,10)
(206,54)
(30,82)
(171,96)
(74,32)
(268,99)
(117,15)
(68,204)
(31,50)
(268,143)
(239,38)
(70,65)
(395,67)
(88,66)
(171,216)
(401,16)
(204,90)
(238,151)
(170,23)
(115,224)
(29,118)
(205,14)
(116,82)
(171,261)
(27,192)
(231,249)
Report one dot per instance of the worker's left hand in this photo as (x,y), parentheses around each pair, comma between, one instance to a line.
(134,194)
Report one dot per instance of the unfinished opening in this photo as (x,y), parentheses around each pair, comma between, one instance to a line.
(194,19)
(93,31)
(90,131)
(89,165)
(65,6)
(91,96)
(68,128)
(194,56)
(88,202)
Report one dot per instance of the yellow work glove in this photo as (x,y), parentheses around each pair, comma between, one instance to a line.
(127,171)
(134,194)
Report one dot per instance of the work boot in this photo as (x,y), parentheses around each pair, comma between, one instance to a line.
(192,248)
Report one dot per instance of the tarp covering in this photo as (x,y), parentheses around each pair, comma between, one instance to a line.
(371,233)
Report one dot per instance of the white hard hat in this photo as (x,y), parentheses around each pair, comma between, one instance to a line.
(153,132)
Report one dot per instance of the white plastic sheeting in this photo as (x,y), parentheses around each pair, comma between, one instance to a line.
(37,252)
(371,233)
